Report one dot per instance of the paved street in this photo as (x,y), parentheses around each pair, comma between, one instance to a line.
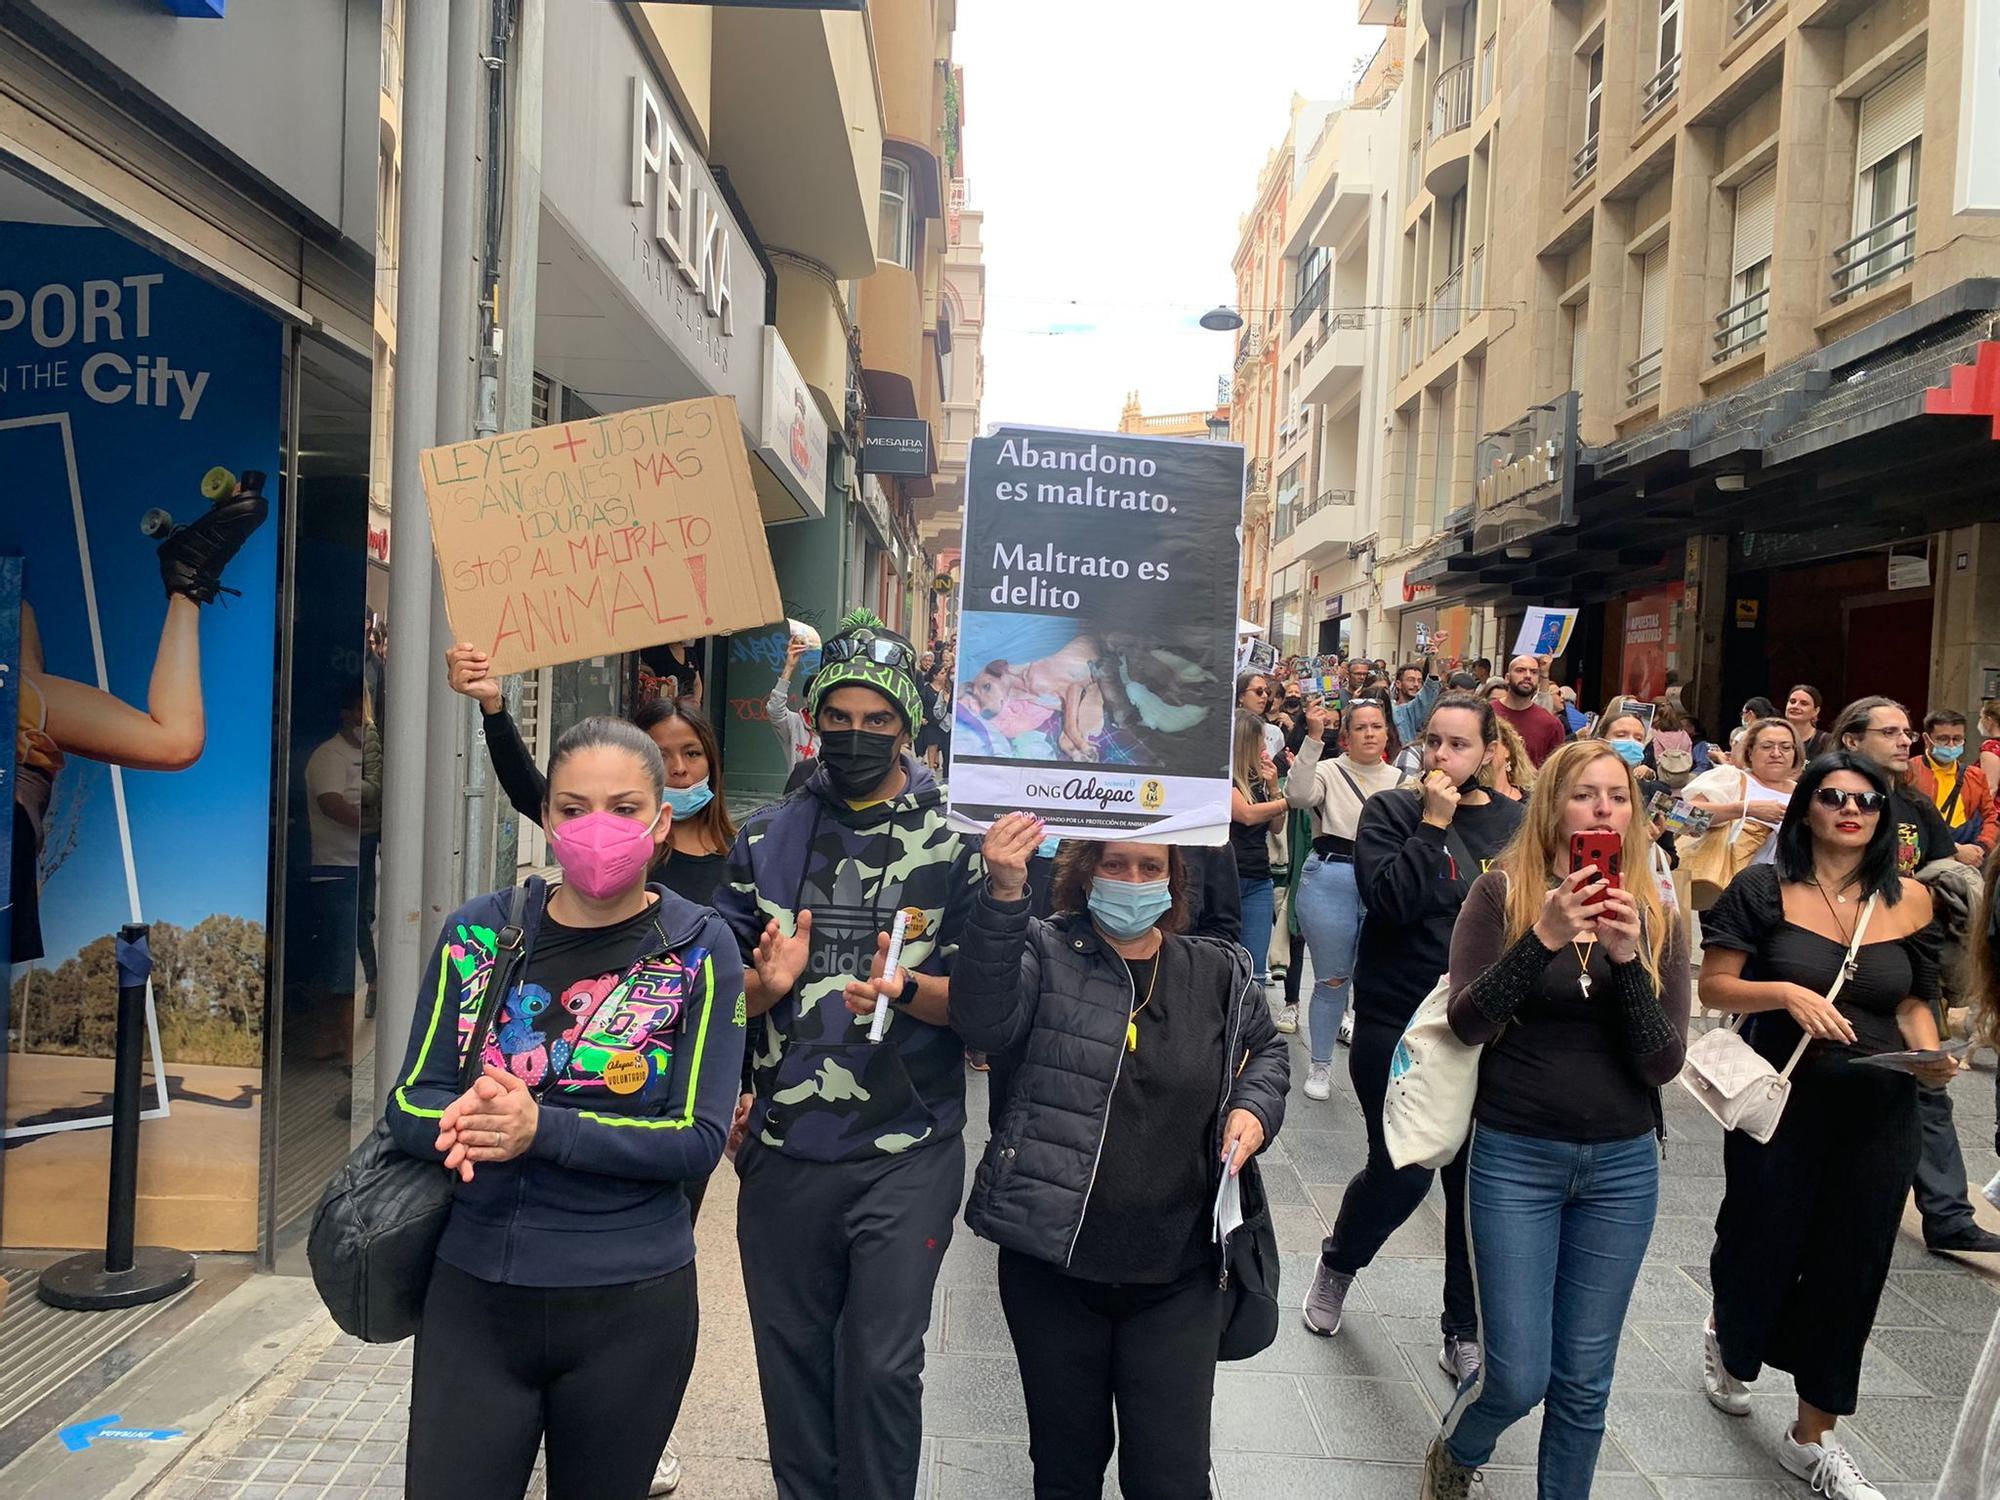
(1340,1419)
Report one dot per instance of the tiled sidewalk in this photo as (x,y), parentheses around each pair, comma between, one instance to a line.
(1331,1419)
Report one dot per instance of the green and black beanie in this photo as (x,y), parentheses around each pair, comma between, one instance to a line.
(893,683)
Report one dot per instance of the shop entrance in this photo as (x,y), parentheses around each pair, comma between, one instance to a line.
(1835,625)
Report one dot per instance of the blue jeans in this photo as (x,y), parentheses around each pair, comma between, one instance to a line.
(1558,1232)
(1330,913)
(1260,911)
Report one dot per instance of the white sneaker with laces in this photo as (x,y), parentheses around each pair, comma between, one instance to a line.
(1829,1468)
(1459,1358)
(1319,1080)
(1288,1019)
(1347,1029)
(1725,1392)
(667,1474)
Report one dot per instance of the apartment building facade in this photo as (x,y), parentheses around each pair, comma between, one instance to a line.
(1256,408)
(1702,357)
(1340,229)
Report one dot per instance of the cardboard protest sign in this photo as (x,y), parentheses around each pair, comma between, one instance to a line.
(601,536)
(1097,634)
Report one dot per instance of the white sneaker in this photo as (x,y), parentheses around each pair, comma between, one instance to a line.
(1319,1080)
(1725,1392)
(1991,1192)
(1288,1019)
(1829,1468)
(1347,1028)
(667,1474)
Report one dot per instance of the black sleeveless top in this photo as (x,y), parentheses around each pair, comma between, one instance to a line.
(1750,918)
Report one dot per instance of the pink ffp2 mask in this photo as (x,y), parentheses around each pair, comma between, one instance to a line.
(602,854)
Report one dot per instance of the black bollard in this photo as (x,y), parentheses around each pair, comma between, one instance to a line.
(124,1275)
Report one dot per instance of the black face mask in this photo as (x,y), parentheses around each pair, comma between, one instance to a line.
(857,761)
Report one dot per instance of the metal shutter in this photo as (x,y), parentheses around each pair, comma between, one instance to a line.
(1891,117)
(1755,201)
(1653,302)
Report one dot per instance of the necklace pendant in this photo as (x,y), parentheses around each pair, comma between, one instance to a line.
(1131,1036)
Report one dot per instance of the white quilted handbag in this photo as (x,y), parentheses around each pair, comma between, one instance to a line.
(1735,1083)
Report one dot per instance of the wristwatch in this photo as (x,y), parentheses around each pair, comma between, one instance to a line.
(908,997)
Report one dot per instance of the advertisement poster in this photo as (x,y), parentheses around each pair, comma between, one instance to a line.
(1097,631)
(1652,645)
(139,416)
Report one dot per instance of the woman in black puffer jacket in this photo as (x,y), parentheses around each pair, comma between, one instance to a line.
(1148,1066)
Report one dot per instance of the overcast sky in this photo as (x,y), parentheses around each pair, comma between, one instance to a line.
(1113,145)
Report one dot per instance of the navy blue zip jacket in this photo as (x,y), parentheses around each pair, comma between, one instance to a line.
(597,1198)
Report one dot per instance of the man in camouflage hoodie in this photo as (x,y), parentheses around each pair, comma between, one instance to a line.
(852,1171)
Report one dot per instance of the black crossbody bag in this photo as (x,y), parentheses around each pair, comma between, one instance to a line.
(375,1233)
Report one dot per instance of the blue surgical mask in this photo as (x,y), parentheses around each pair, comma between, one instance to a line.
(1947,753)
(1048,846)
(1632,752)
(1127,909)
(686,801)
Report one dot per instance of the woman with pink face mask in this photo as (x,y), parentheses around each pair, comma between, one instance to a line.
(611,1065)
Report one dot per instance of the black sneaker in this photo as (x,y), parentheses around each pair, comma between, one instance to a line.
(1970,1240)
(193,556)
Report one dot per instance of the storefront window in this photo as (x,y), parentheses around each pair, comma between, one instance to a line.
(150,533)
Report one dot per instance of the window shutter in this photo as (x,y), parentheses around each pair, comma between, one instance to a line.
(1755,201)
(1653,302)
(1891,117)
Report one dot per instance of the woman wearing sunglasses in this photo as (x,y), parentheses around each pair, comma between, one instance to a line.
(1808,1220)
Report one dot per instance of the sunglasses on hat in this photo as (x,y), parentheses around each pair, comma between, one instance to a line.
(881,650)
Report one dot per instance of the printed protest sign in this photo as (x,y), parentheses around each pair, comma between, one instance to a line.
(1097,634)
(1545,631)
(601,536)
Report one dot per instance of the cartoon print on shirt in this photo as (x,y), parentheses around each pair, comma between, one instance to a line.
(569,1044)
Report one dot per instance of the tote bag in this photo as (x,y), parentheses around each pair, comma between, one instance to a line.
(1721,854)
(1433,1079)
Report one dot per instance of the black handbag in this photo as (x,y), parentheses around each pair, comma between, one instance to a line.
(1250,1274)
(375,1233)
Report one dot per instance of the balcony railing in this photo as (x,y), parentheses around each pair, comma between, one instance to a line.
(1403,343)
(1475,279)
(1643,377)
(1313,300)
(1487,49)
(1660,88)
(1249,344)
(1742,325)
(1445,307)
(1451,100)
(1583,163)
(1746,11)
(1320,502)
(1873,256)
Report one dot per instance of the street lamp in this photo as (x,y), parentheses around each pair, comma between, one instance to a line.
(1222,319)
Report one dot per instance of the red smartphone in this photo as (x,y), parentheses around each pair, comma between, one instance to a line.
(1605,851)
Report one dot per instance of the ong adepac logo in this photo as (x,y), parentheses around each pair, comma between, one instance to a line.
(1115,791)
(1152,796)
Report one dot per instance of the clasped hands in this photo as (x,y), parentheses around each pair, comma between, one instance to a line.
(494,1120)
